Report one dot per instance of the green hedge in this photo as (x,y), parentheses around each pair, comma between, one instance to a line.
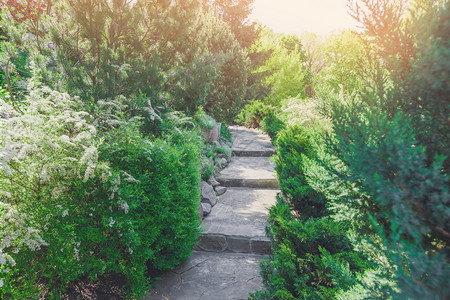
(311,259)
(294,145)
(253,113)
(76,203)
(313,253)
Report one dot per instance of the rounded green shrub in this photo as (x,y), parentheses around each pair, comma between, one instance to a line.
(295,143)
(272,125)
(253,113)
(75,205)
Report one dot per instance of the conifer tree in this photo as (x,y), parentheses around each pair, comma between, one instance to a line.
(396,149)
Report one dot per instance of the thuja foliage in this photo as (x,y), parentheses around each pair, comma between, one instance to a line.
(382,170)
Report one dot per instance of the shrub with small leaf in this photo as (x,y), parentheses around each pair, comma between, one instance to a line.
(78,202)
(294,145)
(253,113)
(272,125)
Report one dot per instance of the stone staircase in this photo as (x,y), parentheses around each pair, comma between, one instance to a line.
(237,222)
(225,264)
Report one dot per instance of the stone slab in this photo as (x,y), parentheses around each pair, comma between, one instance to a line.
(253,153)
(260,245)
(257,172)
(250,142)
(211,276)
(237,244)
(241,212)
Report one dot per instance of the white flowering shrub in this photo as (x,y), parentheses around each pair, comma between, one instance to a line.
(58,199)
(85,195)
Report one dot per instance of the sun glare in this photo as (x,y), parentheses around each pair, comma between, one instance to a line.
(297,16)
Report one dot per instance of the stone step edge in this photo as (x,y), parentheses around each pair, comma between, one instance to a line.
(249,183)
(253,153)
(216,242)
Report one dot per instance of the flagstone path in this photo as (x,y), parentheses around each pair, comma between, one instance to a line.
(225,264)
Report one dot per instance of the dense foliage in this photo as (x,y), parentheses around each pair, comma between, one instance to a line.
(287,74)
(253,113)
(378,176)
(78,199)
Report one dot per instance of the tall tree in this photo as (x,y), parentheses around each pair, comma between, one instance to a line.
(236,13)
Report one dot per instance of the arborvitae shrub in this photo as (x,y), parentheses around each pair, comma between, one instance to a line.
(312,259)
(272,125)
(293,144)
(166,195)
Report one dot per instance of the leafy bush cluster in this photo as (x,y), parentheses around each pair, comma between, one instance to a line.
(313,253)
(253,113)
(272,124)
(78,199)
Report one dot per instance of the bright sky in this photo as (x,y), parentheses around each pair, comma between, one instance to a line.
(297,16)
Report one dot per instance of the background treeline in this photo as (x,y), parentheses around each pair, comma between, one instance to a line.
(102,104)
(363,162)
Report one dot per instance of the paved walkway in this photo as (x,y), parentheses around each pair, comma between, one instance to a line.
(225,265)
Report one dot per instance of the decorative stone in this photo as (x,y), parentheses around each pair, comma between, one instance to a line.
(206,207)
(213,242)
(200,212)
(212,135)
(208,194)
(260,245)
(212,181)
(221,155)
(222,161)
(220,190)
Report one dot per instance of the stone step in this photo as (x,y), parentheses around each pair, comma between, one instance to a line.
(236,244)
(254,153)
(250,142)
(250,172)
(211,276)
(237,222)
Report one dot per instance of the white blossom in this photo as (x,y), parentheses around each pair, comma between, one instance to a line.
(124,206)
